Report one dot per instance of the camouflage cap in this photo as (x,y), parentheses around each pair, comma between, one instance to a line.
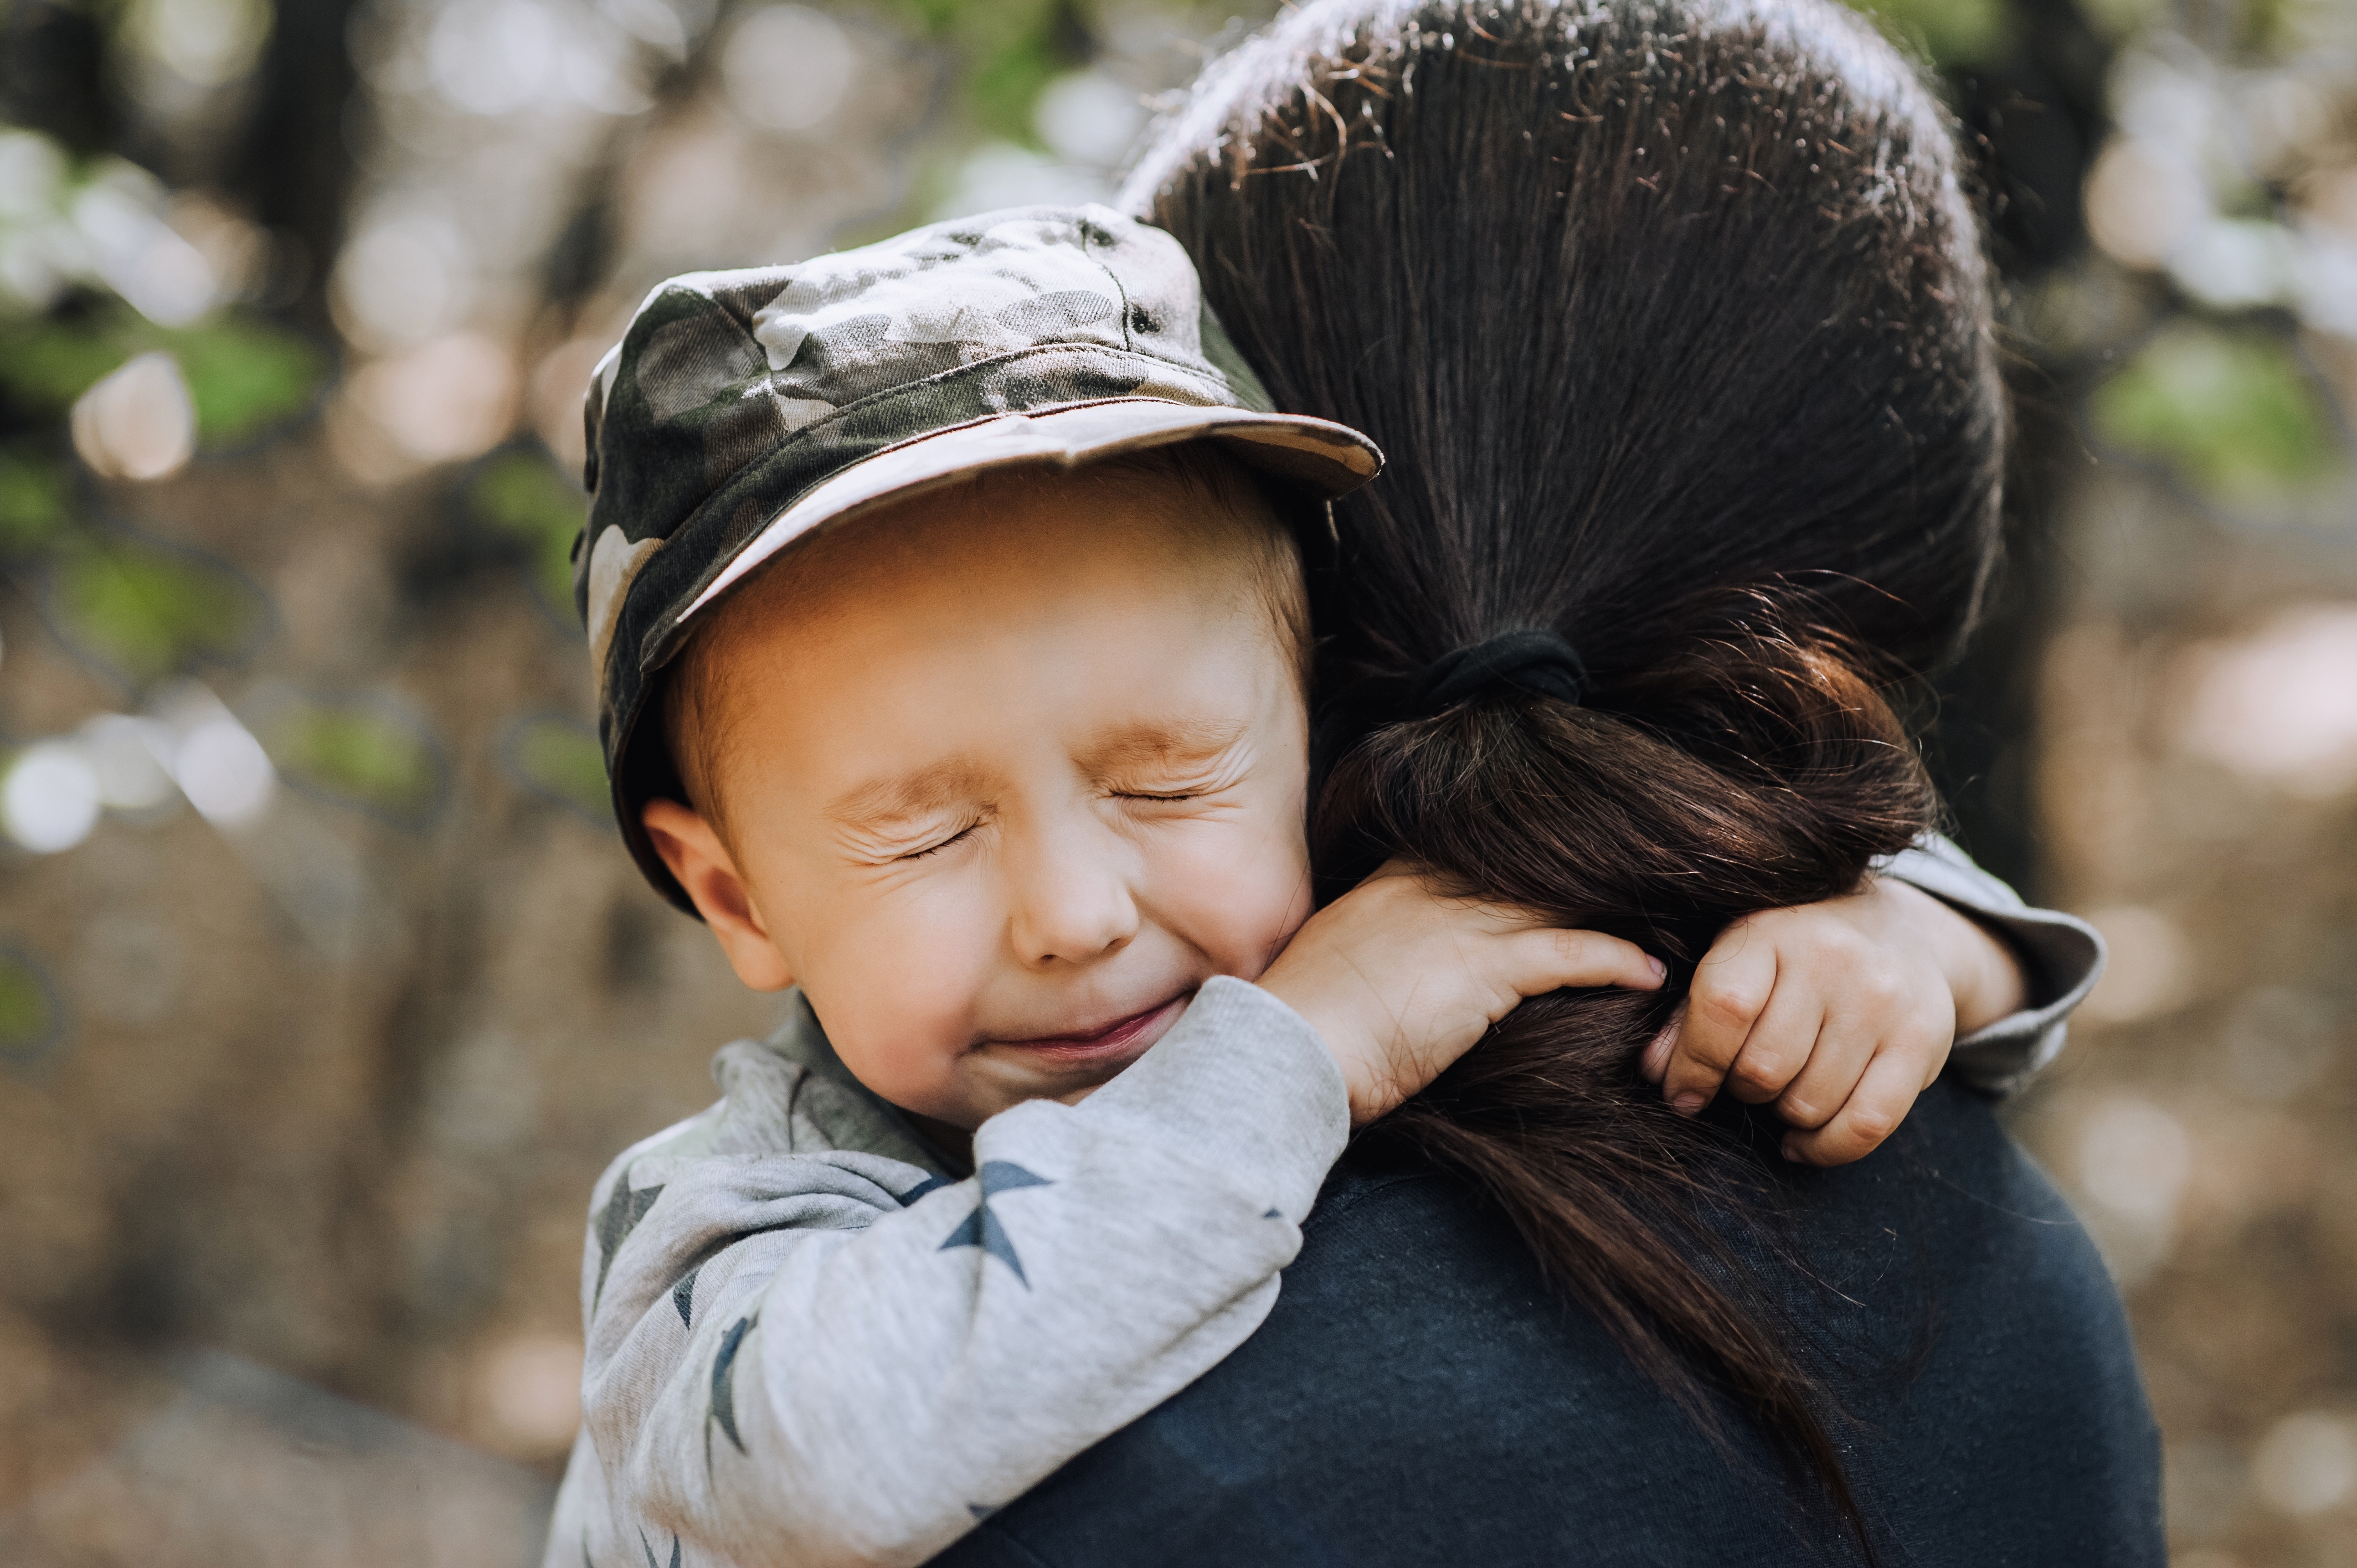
(744,409)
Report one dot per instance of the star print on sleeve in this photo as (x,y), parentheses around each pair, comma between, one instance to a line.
(723,1387)
(682,1297)
(621,1216)
(929,1184)
(982,1228)
(650,1551)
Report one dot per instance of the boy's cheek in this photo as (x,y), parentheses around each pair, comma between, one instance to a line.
(909,1057)
(928,1085)
(1241,899)
(898,1000)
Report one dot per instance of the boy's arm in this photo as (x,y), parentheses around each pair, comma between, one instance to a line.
(831,1358)
(2062,958)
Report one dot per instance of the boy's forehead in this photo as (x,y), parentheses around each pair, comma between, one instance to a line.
(1007,531)
(942,577)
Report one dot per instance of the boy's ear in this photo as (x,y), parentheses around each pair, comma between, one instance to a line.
(693,852)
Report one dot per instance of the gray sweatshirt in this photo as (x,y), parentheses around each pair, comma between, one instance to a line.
(808,1345)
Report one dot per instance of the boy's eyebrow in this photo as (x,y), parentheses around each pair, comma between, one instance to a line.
(1160,743)
(929,788)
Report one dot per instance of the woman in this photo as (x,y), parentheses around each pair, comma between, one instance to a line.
(1673,321)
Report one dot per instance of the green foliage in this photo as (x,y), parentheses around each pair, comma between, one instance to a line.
(30,1018)
(33,507)
(1006,86)
(561,758)
(520,494)
(1008,52)
(2231,410)
(2286,28)
(357,753)
(1952,34)
(45,364)
(146,611)
(2120,19)
(244,374)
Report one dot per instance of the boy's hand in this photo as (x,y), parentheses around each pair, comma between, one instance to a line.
(1841,1012)
(1400,980)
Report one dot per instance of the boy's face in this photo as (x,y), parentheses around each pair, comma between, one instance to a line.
(1000,779)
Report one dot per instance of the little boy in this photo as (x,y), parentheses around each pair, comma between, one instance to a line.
(950,634)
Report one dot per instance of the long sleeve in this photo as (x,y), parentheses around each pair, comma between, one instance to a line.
(2062,958)
(818,1355)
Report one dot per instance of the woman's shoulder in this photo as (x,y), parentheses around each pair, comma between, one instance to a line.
(1421,1394)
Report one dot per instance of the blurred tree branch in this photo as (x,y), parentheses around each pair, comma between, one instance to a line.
(293,167)
(2034,115)
(52,70)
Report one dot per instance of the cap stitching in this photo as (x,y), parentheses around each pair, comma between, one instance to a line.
(1120,292)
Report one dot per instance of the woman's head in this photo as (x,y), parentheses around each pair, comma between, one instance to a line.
(1655,295)
(1672,319)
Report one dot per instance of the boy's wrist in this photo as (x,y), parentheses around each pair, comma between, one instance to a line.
(1331,1021)
(1985,974)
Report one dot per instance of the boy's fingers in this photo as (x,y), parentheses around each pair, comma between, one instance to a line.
(1656,1062)
(1551,959)
(1780,1044)
(1844,1048)
(1731,988)
(1875,1107)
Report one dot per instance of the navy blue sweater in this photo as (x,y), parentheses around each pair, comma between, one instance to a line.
(1417,1397)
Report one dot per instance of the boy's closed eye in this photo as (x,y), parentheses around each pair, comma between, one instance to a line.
(937,842)
(1170,792)
(900,821)
(898,838)
(1169,759)
(918,814)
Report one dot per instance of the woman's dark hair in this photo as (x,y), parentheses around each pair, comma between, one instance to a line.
(1672,319)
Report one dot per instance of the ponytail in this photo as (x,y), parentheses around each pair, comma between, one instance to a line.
(1767,771)
(1674,324)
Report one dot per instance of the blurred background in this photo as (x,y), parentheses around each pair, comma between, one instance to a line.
(324,991)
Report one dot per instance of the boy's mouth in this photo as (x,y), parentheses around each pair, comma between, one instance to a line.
(1130,1035)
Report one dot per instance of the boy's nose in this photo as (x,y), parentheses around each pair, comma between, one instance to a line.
(1072,900)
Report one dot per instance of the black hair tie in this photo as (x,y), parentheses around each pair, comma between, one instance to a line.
(1536,661)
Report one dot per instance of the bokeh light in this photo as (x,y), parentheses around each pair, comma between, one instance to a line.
(2280,705)
(2145,203)
(207,43)
(139,423)
(2149,971)
(2307,1462)
(445,401)
(2133,1160)
(403,279)
(787,68)
(49,799)
(215,760)
(128,758)
(1088,117)
(532,1385)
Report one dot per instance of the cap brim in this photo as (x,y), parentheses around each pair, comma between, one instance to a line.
(1326,458)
